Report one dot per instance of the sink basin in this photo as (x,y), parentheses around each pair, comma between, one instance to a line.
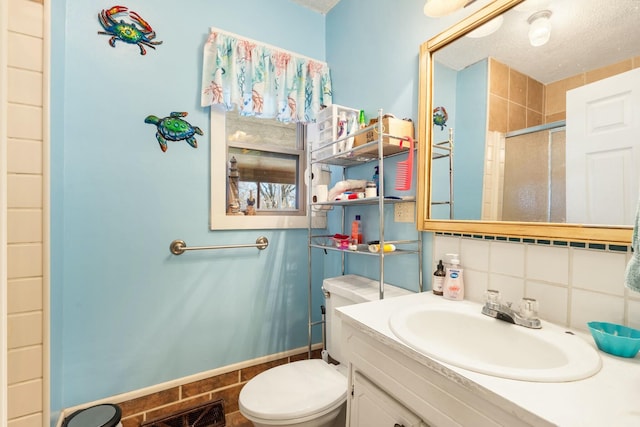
(460,335)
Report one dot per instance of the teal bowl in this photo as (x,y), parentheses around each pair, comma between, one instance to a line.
(615,339)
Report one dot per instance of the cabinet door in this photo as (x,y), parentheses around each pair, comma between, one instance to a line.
(372,407)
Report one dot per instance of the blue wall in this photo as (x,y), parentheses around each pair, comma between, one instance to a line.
(471,125)
(127,314)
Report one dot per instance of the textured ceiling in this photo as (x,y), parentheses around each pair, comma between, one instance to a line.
(585,35)
(322,6)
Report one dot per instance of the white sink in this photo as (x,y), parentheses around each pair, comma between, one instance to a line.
(460,335)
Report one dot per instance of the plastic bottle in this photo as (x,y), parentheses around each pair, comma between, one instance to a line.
(361,120)
(356,231)
(453,288)
(376,179)
(438,279)
(352,124)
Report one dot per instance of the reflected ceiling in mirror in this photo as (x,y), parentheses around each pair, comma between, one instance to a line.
(523,93)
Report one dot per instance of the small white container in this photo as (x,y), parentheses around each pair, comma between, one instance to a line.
(453,288)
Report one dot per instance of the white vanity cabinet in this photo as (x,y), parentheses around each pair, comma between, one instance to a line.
(372,407)
(389,381)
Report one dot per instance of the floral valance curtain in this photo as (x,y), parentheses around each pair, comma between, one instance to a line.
(262,81)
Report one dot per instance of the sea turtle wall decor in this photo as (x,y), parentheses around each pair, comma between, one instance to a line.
(135,31)
(174,128)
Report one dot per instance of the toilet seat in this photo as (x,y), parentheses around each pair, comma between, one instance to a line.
(298,390)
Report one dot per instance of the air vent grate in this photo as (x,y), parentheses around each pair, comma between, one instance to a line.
(210,414)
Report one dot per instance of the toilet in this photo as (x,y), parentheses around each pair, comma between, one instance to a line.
(311,393)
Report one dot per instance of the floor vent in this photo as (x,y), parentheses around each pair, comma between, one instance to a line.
(210,414)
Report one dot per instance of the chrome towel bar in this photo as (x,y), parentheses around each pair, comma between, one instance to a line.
(178,247)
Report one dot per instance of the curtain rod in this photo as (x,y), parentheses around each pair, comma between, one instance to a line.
(228,33)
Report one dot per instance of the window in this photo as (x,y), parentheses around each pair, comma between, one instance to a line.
(257,172)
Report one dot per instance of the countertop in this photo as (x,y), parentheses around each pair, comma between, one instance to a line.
(611,397)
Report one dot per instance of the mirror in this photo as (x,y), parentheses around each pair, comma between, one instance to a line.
(503,123)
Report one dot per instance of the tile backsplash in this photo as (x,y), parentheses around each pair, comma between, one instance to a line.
(573,284)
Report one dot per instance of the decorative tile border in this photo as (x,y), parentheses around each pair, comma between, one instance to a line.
(543,242)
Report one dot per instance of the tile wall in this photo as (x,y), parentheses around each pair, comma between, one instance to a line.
(555,98)
(573,282)
(26,313)
(225,386)
(516,101)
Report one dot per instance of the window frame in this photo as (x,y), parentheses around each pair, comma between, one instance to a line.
(218,219)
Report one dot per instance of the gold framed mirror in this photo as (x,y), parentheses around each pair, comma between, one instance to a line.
(565,225)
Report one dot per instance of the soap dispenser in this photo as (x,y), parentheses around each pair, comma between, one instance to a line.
(453,288)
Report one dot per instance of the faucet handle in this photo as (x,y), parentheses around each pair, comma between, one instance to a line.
(529,308)
(492,297)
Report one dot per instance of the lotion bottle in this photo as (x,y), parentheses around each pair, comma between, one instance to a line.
(453,288)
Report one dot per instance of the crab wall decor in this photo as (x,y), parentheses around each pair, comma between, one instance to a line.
(135,31)
(173,128)
(440,117)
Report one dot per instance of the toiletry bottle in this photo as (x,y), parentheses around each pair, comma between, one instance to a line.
(356,231)
(438,279)
(453,288)
(361,120)
(352,128)
(376,179)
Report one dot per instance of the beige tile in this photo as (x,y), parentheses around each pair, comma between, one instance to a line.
(517,117)
(534,118)
(556,93)
(24,156)
(27,17)
(34,420)
(24,261)
(498,78)
(24,191)
(24,226)
(25,52)
(555,117)
(535,95)
(517,87)
(24,295)
(24,364)
(25,87)
(609,70)
(24,329)
(24,122)
(498,113)
(24,399)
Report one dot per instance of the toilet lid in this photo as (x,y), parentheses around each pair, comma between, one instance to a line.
(294,390)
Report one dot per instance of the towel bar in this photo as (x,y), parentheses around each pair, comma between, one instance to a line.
(178,247)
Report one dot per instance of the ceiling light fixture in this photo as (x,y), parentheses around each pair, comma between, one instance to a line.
(539,27)
(438,8)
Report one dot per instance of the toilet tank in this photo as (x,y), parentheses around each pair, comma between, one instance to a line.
(346,290)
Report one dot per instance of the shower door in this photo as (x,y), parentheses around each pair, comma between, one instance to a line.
(534,175)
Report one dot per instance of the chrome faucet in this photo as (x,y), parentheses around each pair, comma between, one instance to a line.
(526,316)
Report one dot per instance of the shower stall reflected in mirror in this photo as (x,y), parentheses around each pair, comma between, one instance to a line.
(524,175)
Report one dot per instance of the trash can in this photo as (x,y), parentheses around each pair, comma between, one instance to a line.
(106,415)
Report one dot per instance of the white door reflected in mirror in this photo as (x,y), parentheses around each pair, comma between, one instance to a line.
(603,150)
